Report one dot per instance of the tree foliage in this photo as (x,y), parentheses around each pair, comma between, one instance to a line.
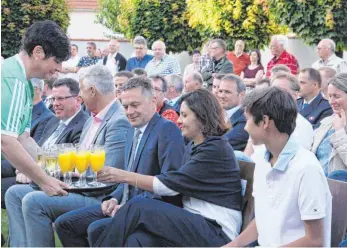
(154,19)
(249,20)
(186,24)
(18,15)
(315,19)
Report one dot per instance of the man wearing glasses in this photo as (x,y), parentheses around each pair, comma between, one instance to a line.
(68,124)
(141,58)
(164,109)
(326,52)
(219,64)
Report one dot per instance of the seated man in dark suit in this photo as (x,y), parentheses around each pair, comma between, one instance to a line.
(312,105)
(154,146)
(41,114)
(231,93)
(66,127)
(109,126)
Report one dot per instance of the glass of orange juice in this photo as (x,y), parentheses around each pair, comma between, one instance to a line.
(97,161)
(65,159)
(82,163)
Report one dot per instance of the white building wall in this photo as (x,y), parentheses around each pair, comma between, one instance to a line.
(83,26)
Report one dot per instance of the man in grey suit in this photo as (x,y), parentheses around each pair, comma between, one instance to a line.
(108,126)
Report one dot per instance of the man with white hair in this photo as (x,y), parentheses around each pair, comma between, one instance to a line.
(328,58)
(32,212)
(278,47)
(162,64)
(174,88)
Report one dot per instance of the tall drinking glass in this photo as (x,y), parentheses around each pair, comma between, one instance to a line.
(82,162)
(97,161)
(40,157)
(51,157)
(65,160)
(72,151)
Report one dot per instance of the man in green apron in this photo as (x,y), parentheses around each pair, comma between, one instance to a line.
(44,47)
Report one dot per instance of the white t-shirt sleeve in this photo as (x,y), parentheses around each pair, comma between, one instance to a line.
(160,189)
(313,192)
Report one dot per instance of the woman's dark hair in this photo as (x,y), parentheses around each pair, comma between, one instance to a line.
(258,54)
(274,102)
(207,110)
(50,37)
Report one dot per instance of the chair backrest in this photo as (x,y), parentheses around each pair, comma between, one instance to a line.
(246,172)
(338,191)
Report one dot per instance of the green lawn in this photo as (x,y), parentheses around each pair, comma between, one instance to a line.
(4,228)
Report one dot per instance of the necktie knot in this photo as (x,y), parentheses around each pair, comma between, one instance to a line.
(305,105)
(137,133)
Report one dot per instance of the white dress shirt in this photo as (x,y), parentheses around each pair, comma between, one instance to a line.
(229,219)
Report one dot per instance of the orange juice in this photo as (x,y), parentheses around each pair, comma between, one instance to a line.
(64,162)
(97,160)
(82,160)
(72,160)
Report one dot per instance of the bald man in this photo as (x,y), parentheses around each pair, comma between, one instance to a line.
(238,57)
(328,58)
(162,64)
(114,61)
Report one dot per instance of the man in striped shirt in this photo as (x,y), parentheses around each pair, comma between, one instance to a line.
(162,64)
(44,48)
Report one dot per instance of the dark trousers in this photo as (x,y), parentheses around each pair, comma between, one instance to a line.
(8,178)
(76,227)
(147,222)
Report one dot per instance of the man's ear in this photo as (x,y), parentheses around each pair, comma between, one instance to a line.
(266,121)
(38,53)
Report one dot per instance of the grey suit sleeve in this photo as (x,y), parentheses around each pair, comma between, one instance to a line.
(115,138)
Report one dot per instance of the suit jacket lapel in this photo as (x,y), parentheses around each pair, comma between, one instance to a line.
(313,105)
(109,114)
(144,138)
(72,123)
(51,126)
(234,118)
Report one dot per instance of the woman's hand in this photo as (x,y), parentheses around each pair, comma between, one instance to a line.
(339,120)
(111,175)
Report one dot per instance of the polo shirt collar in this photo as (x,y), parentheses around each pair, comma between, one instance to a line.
(332,57)
(286,155)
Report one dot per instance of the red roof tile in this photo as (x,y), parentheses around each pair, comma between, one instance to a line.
(82,4)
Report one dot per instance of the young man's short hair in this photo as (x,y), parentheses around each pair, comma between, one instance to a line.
(50,37)
(274,102)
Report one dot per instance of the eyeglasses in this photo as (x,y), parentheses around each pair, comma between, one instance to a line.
(59,99)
